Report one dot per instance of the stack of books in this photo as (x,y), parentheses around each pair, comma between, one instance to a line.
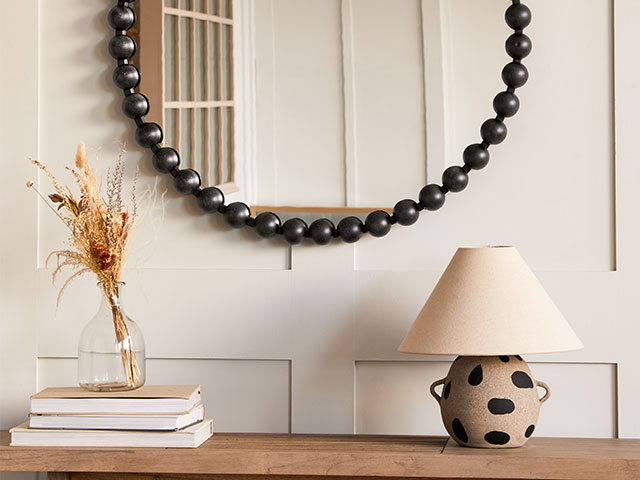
(151,416)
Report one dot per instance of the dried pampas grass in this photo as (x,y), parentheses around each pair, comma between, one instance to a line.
(99,232)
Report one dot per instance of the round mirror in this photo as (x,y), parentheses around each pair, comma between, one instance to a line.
(267,102)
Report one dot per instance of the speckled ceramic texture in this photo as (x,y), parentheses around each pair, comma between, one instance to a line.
(490,402)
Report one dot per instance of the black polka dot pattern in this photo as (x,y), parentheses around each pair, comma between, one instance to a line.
(447,390)
(489,401)
(459,431)
(497,438)
(529,431)
(521,380)
(501,406)
(475,377)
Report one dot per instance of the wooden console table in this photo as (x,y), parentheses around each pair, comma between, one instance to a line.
(333,457)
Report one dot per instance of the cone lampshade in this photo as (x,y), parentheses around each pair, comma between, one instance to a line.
(488,302)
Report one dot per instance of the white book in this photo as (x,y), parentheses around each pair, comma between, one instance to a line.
(118,422)
(158,399)
(189,437)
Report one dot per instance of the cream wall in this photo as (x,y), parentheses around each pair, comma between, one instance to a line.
(304,339)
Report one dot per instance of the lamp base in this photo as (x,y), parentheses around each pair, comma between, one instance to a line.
(490,401)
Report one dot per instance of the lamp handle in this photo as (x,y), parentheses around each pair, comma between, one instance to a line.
(432,389)
(547,392)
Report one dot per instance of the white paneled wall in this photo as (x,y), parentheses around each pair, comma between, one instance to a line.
(304,339)
(393,397)
(241,395)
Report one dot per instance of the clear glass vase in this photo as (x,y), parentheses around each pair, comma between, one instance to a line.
(111,355)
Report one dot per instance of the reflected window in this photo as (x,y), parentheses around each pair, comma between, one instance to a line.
(186,57)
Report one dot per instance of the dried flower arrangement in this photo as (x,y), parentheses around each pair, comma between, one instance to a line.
(100,229)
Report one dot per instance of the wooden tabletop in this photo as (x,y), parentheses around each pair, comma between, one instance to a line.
(356,456)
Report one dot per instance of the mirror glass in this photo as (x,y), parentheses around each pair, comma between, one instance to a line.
(300,105)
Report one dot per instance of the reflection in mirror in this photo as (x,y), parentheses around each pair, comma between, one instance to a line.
(332,95)
(190,44)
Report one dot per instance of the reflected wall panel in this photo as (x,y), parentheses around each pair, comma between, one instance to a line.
(389,117)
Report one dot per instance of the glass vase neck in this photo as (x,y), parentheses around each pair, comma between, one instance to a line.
(111,293)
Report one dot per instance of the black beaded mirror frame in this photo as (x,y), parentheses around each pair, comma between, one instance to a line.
(322,231)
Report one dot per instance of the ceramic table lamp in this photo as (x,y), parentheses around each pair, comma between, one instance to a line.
(489,309)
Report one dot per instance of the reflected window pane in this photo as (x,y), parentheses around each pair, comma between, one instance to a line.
(212,7)
(170,116)
(185,137)
(214,67)
(185,58)
(226,62)
(200,65)
(228,146)
(170,57)
(201,163)
(200,6)
(225,8)
(215,146)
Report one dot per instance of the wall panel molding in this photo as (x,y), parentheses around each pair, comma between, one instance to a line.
(393,397)
(240,395)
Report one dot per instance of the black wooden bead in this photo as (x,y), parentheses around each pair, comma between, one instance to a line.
(126,76)
(165,159)
(518,46)
(121,17)
(236,214)
(515,75)
(210,199)
(455,179)
(476,156)
(431,197)
(321,231)
(122,46)
(267,224)
(294,230)
(378,223)
(350,229)
(186,181)
(506,104)
(148,134)
(135,105)
(493,131)
(406,212)
(518,16)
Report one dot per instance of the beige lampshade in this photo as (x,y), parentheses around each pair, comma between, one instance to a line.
(488,302)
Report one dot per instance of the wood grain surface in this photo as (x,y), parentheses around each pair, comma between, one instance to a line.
(244,456)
